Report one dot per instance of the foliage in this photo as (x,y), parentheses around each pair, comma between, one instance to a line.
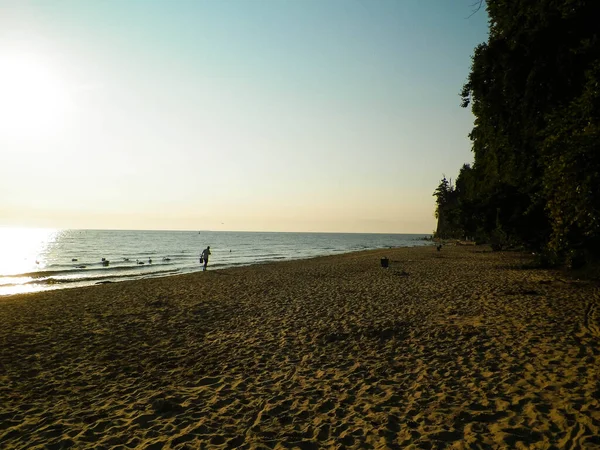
(535,94)
(446,210)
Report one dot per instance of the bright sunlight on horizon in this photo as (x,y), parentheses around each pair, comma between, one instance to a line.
(313,115)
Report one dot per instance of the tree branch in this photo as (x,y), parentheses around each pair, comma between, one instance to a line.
(477,6)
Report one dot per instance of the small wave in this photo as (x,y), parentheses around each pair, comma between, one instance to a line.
(226,265)
(97,268)
(84,279)
(264,255)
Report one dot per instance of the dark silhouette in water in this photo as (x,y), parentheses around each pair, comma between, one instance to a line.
(204,257)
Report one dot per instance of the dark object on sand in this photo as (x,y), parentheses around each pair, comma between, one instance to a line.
(385,262)
(439,247)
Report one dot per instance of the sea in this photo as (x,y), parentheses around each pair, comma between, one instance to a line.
(34,260)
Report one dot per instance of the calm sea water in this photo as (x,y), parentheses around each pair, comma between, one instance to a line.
(40,259)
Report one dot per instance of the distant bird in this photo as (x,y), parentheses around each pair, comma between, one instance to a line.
(439,247)
(149,260)
(74,259)
(166,259)
(105,262)
(125,259)
(139,262)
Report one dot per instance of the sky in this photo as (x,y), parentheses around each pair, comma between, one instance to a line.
(241,115)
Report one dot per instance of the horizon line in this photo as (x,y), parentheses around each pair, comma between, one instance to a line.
(204,231)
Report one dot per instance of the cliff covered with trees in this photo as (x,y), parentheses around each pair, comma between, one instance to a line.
(534,89)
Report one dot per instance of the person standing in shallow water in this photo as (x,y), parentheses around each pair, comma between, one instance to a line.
(204,257)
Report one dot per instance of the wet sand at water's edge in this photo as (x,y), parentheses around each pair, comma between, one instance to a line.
(461,348)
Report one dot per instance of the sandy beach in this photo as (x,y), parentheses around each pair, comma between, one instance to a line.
(462,348)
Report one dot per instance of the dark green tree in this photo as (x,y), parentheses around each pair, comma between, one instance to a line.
(533,89)
(447,210)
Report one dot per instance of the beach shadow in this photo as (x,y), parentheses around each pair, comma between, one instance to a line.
(524,435)
(220,272)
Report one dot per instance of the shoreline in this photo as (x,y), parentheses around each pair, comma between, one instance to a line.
(71,268)
(454,348)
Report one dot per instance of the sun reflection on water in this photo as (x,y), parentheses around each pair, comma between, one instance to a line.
(24,250)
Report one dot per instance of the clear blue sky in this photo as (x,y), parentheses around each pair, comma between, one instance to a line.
(274,115)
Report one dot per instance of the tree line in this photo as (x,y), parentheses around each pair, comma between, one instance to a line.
(534,89)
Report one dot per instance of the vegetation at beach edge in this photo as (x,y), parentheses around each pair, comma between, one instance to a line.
(534,91)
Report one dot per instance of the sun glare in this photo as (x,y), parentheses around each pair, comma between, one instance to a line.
(24,249)
(33,97)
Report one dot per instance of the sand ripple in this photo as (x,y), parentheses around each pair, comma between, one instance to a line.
(460,349)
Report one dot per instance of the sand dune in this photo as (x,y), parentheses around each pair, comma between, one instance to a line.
(456,349)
